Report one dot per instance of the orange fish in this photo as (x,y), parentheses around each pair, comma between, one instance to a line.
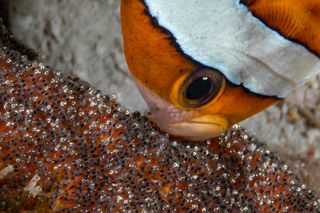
(203,66)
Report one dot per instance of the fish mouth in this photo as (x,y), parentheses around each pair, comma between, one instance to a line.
(199,128)
(182,123)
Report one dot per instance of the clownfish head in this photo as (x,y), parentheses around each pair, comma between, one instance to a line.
(204,66)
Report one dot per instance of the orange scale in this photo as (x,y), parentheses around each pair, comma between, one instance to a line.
(296,20)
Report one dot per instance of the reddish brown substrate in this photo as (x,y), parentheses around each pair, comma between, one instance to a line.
(66,147)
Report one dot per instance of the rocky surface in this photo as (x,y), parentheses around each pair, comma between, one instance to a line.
(83,38)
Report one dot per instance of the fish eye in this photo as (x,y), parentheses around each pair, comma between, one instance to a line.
(200,87)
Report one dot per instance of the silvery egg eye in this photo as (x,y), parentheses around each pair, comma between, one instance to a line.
(200,87)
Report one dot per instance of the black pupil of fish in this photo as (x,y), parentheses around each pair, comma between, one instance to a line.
(200,88)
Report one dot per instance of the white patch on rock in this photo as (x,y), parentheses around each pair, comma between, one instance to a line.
(224,35)
(5,171)
(32,187)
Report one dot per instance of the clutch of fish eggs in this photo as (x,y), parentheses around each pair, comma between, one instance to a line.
(66,147)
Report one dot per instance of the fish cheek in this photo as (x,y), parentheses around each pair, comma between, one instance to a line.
(237,103)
